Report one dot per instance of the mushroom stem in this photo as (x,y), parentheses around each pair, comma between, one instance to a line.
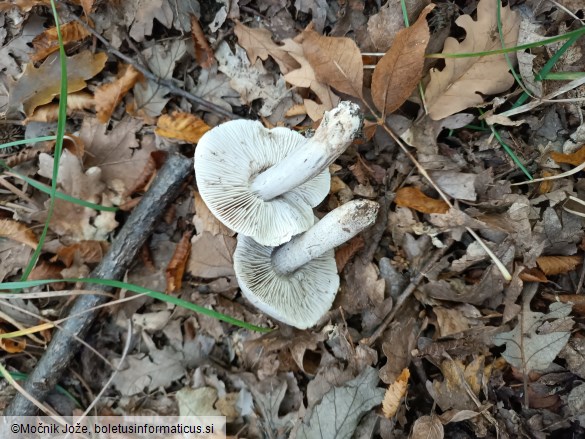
(337,227)
(338,128)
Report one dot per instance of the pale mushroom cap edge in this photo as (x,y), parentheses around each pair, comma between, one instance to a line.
(227,159)
(298,299)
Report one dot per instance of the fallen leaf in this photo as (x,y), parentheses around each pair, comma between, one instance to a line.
(211,256)
(340,410)
(551,265)
(117,151)
(11,345)
(197,402)
(215,87)
(149,97)
(399,71)
(47,42)
(176,268)
(394,394)
(428,427)
(576,158)
(23,5)
(305,77)
(463,81)
(39,86)
(533,275)
(534,343)
(203,51)
(108,96)
(79,101)
(69,219)
(86,252)
(577,300)
(258,44)
(347,251)
(17,232)
(337,61)
(139,16)
(252,81)
(413,198)
(13,257)
(182,126)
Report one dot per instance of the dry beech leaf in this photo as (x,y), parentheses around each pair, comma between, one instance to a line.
(337,61)
(108,96)
(575,159)
(11,345)
(203,51)
(551,265)
(413,198)
(181,126)
(533,275)
(578,301)
(347,251)
(258,44)
(86,252)
(176,268)
(400,69)
(47,42)
(39,86)
(17,232)
(463,81)
(79,101)
(394,394)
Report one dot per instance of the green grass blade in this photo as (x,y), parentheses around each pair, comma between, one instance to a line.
(563,76)
(576,33)
(140,290)
(19,376)
(58,144)
(60,195)
(27,141)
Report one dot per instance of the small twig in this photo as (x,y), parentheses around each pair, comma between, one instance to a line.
(209,106)
(407,293)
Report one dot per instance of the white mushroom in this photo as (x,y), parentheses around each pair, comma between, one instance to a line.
(297,282)
(264,183)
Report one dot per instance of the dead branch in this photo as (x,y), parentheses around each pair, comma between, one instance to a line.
(116,262)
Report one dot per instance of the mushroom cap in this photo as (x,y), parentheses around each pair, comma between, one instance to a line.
(298,299)
(230,156)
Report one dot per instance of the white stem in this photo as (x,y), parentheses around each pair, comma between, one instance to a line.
(338,128)
(337,227)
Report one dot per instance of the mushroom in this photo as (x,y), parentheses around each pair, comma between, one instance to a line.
(297,282)
(263,183)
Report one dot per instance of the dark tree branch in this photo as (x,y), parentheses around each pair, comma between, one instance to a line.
(116,262)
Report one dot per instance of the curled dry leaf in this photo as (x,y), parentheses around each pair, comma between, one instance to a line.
(533,275)
(400,69)
(11,345)
(182,126)
(576,158)
(47,42)
(551,265)
(39,86)
(337,61)
(463,81)
(428,427)
(108,96)
(17,232)
(176,268)
(79,101)
(413,198)
(394,394)
(203,51)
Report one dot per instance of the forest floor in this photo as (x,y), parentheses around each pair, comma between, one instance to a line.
(460,312)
